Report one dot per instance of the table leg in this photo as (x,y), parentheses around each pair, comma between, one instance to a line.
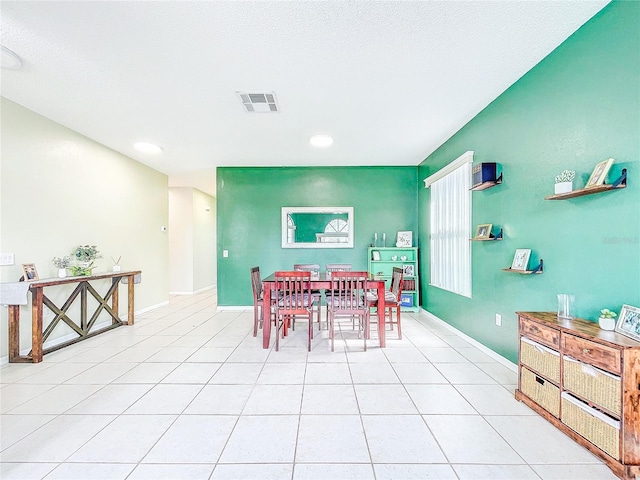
(37,295)
(266,316)
(115,303)
(130,304)
(14,332)
(381,314)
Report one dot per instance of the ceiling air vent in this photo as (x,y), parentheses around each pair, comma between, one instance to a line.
(259,102)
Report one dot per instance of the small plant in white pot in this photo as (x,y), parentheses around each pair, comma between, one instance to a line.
(62,263)
(607,320)
(564,182)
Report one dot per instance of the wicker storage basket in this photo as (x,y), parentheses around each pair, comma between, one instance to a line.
(595,426)
(543,392)
(540,358)
(600,388)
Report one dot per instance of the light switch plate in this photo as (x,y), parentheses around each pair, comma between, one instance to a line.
(7,259)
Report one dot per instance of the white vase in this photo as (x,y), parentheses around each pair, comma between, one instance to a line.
(607,323)
(563,187)
(62,272)
(116,268)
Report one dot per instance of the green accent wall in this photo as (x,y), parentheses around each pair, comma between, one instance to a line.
(579,106)
(249,202)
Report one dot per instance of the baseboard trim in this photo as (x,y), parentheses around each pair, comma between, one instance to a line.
(496,356)
(200,290)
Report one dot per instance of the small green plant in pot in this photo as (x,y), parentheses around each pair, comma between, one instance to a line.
(564,181)
(607,320)
(85,255)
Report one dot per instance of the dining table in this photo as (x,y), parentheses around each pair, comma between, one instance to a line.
(322,281)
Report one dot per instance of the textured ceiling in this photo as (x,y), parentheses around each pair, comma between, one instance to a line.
(390,81)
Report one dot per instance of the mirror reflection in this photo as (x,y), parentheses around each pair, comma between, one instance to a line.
(317,227)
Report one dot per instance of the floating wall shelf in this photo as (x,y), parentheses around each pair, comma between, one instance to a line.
(489,184)
(621,182)
(538,270)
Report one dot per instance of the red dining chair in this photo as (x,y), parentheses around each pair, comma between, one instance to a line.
(293,291)
(347,298)
(330,268)
(392,299)
(258,301)
(314,269)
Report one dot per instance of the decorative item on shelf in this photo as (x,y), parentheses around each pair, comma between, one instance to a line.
(85,255)
(408,270)
(599,174)
(607,320)
(404,239)
(380,274)
(116,264)
(62,263)
(483,232)
(521,259)
(629,322)
(403,258)
(29,272)
(485,175)
(406,300)
(375,239)
(394,257)
(384,239)
(565,306)
(375,255)
(564,182)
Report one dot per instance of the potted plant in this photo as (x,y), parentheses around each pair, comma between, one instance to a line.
(607,319)
(62,263)
(564,182)
(85,255)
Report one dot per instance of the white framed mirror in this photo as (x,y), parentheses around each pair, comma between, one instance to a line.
(317,227)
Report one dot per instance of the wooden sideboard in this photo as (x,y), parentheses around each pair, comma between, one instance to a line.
(83,326)
(586,382)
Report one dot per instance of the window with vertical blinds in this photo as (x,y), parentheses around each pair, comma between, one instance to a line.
(450,226)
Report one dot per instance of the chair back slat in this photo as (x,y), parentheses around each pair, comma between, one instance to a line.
(348,293)
(396,282)
(293,290)
(256,283)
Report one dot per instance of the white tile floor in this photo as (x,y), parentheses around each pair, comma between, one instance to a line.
(188,393)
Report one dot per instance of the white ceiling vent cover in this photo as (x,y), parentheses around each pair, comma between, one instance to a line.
(259,102)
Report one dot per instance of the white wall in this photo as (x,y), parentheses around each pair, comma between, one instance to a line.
(59,189)
(192,240)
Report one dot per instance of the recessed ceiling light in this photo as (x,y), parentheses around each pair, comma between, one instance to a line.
(10,61)
(146,147)
(321,140)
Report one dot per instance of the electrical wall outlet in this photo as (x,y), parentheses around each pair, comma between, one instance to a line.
(7,259)
(498,320)
(225,253)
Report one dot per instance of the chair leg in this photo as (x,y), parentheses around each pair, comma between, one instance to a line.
(330,326)
(255,321)
(398,322)
(277,329)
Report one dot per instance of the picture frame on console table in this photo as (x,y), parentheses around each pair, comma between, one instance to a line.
(629,322)
(29,271)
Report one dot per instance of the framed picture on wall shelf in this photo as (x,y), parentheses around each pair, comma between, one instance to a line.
(404,239)
(521,259)
(30,272)
(599,174)
(483,231)
(408,270)
(629,322)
